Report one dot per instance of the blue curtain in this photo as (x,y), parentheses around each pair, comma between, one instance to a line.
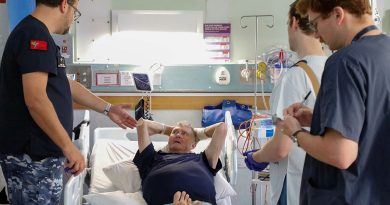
(17,10)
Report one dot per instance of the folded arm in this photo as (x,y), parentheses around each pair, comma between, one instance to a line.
(218,133)
(146,129)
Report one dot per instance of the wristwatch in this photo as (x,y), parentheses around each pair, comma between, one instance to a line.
(294,138)
(107,109)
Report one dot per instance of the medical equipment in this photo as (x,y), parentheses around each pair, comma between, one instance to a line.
(246,72)
(114,145)
(142,82)
(375,12)
(278,59)
(222,76)
(257,17)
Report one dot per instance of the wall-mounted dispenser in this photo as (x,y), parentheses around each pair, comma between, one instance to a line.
(222,76)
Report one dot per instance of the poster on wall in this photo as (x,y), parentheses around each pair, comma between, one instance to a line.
(217,38)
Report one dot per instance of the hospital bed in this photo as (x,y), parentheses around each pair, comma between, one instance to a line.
(73,189)
(115,179)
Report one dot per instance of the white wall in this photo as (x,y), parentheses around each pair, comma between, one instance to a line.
(93,26)
(385,16)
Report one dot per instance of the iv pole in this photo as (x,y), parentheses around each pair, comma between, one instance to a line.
(257,17)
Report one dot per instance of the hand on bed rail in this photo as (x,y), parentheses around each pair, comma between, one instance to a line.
(120,115)
(75,162)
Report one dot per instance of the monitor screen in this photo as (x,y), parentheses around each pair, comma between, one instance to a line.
(142,82)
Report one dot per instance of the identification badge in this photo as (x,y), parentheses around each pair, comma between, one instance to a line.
(61,62)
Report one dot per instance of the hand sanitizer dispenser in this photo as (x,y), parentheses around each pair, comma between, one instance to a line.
(222,76)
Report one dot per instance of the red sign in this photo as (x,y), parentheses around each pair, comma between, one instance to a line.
(3,1)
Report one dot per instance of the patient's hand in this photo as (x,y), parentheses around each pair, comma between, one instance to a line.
(151,126)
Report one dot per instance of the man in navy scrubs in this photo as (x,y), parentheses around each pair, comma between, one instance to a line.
(348,144)
(36,115)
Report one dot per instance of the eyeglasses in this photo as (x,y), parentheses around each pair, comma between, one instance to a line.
(76,13)
(313,23)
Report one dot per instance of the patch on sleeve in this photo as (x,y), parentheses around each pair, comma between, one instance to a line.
(38,45)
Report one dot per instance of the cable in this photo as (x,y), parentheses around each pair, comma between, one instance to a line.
(263,96)
(245,131)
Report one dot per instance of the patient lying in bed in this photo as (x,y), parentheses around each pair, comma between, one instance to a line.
(177,169)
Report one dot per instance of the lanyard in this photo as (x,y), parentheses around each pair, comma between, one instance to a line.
(364,31)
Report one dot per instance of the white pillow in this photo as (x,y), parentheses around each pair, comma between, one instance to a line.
(125,176)
(116,197)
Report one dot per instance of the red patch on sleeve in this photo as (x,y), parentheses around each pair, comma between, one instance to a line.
(2,1)
(38,45)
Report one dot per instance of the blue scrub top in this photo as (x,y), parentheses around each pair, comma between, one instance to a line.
(354,99)
(30,48)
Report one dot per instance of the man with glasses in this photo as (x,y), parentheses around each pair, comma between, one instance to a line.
(36,116)
(348,144)
(285,157)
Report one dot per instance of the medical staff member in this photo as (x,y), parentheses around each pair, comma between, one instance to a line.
(348,144)
(36,115)
(286,157)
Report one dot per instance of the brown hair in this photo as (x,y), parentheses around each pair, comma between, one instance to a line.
(325,7)
(303,21)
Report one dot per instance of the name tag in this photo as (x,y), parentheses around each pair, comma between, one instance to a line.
(61,62)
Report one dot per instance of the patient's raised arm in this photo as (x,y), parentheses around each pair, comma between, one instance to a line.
(218,133)
(147,128)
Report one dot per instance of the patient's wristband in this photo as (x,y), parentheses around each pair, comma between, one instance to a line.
(163,129)
(200,133)
(107,109)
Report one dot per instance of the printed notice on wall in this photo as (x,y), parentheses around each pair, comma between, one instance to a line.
(106,79)
(217,38)
(126,78)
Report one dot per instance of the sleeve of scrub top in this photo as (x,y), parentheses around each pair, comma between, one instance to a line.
(343,94)
(35,60)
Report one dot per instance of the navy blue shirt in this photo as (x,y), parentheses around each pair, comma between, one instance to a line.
(30,48)
(163,174)
(354,99)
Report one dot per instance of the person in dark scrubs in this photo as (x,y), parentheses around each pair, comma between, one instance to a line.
(348,144)
(36,115)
